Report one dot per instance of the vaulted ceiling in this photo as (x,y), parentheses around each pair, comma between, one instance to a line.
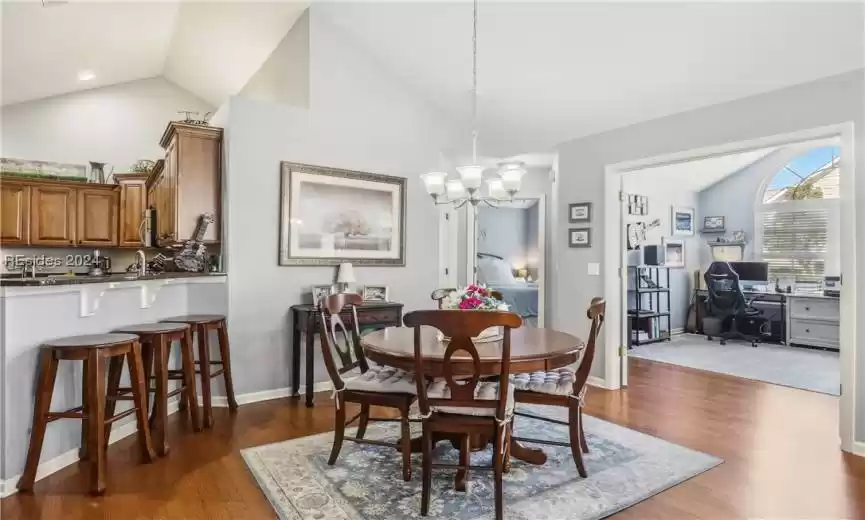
(699,174)
(548,71)
(553,71)
(208,48)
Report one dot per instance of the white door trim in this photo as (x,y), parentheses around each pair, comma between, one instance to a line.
(613,257)
(448,246)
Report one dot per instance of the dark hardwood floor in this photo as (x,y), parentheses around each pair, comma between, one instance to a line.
(779,445)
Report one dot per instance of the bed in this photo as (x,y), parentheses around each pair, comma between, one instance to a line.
(522,297)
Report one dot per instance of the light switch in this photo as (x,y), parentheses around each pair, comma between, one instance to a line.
(594,269)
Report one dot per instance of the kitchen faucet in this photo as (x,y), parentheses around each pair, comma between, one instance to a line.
(141,262)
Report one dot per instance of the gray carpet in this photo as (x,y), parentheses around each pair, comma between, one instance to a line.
(814,370)
(625,467)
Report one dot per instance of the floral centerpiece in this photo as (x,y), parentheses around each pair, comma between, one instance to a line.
(476,297)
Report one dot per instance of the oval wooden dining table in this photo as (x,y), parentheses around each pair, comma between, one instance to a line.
(532,350)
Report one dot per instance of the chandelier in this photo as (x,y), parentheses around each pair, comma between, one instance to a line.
(466,189)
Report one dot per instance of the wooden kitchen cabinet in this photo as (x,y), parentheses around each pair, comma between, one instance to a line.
(97,218)
(191,183)
(52,215)
(133,202)
(14,213)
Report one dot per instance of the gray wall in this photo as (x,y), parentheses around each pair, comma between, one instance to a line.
(581,165)
(503,232)
(357,119)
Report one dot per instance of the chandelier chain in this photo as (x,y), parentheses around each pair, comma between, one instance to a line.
(475,83)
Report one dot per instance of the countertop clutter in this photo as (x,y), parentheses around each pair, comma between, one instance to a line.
(50,280)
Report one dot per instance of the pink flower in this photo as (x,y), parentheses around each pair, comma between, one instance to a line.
(470,303)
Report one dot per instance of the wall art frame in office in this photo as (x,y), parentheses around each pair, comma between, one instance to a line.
(638,205)
(375,293)
(715,223)
(329,216)
(681,221)
(579,212)
(674,252)
(580,237)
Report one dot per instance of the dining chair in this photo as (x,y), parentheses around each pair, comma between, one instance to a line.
(461,403)
(563,387)
(374,386)
(440,294)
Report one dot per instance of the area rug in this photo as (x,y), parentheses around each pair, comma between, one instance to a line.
(624,466)
(796,367)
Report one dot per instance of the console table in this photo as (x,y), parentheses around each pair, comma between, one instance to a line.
(306,321)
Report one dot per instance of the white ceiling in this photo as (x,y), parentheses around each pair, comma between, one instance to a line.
(44,48)
(550,72)
(697,175)
(209,48)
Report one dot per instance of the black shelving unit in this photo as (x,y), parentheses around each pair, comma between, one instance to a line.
(647,283)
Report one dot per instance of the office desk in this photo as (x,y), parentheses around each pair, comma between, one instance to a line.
(811,320)
(306,320)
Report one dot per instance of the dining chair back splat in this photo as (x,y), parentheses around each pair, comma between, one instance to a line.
(462,405)
(564,387)
(375,386)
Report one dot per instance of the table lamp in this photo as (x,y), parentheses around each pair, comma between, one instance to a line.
(345,276)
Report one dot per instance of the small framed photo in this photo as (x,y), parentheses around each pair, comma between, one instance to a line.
(737,236)
(580,212)
(375,293)
(674,252)
(320,292)
(713,223)
(580,237)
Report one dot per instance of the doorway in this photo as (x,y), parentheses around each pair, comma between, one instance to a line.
(616,284)
(509,254)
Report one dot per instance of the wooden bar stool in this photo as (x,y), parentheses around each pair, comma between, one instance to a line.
(93,350)
(202,325)
(156,341)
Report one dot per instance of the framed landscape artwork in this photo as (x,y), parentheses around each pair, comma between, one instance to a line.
(329,216)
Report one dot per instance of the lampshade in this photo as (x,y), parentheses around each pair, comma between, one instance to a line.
(496,188)
(471,176)
(455,189)
(346,273)
(512,175)
(434,182)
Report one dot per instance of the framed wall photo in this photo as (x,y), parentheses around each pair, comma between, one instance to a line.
(674,252)
(375,293)
(580,237)
(329,216)
(580,212)
(681,221)
(715,223)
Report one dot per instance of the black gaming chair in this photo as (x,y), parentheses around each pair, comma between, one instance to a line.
(727,302)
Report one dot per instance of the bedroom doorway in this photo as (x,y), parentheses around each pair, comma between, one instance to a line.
(509,254)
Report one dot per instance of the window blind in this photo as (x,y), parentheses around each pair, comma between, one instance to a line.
(795,243)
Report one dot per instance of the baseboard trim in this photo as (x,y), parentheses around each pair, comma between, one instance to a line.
(858,448)
(49,467)
(220,401)
(597,381)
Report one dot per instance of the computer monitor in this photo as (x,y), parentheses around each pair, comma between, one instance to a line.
(751,271)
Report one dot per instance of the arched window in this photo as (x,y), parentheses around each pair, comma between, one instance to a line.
(799,215)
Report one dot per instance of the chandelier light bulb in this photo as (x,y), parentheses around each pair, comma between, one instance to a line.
(434,182)
(455,189)
(496,188)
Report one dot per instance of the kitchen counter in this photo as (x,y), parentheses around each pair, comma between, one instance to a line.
(15,280)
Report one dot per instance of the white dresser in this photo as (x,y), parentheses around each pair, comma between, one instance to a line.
(813,320)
